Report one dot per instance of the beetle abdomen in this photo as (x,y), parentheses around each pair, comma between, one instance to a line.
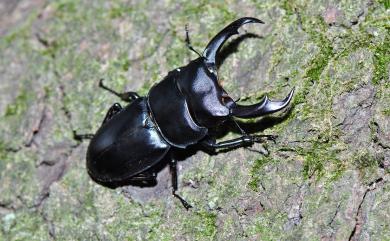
(126,145)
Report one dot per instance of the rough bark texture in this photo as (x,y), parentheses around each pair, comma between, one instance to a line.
(325,178)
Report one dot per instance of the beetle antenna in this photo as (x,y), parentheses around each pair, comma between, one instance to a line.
(188,41)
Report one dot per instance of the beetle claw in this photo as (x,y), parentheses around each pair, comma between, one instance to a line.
(260,138)
(184,202)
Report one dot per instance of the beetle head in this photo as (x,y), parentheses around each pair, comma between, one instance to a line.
(208,102)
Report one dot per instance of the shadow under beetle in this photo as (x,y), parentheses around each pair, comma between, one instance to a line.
(177,112)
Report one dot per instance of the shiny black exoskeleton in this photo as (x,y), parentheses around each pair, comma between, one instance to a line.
(178,112)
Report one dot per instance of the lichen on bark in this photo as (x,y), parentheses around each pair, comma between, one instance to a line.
(325,177)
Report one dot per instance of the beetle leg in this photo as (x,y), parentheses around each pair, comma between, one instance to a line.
(126,96)
(144,178)
(173,169)
(114,109)
(245,140)
(80,137)
(266,106)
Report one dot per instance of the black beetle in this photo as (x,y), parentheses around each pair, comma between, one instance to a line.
(178,112)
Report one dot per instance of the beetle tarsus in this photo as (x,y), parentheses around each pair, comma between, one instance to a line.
(173,169)
(126,96)
(184,202)
(260,138)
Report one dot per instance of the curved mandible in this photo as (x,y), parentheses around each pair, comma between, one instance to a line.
(216,43)
(266,106)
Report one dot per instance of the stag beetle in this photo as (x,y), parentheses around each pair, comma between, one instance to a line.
(177,112)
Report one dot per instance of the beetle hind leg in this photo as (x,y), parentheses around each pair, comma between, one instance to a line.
(125,96)
(145,178)
(114,109)
(173,169)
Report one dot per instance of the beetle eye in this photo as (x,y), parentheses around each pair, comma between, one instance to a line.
(212,70)
(227,101)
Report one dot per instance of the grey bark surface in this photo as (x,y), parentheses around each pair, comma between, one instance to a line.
(326,177)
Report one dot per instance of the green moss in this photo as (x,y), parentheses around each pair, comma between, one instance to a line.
(385,3)
(27,225)
(120,11)
(288,6)
(316,66)
(364,159)
(256,170)
(269,226)
(203,225)
(52,48)
(122,62)
(367,163)
(321,158)
(19,106)
(20,32)
(321,59)
(3,158)
(381,62)
(67,6)
(3,152)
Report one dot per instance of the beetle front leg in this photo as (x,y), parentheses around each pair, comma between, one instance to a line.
(173,169)
(126,96)
(246,140)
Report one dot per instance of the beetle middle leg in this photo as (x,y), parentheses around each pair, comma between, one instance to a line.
(173,169)
(125,96)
